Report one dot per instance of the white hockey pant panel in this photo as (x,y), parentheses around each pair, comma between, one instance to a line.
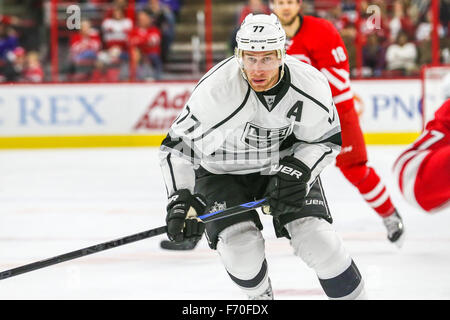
(315,241)
(241,249)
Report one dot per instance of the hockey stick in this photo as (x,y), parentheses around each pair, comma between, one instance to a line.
(187,244)
(125,240)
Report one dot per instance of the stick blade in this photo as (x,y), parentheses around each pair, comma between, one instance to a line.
(185,245)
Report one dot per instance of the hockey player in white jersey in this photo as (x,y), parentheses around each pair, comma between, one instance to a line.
(259,124)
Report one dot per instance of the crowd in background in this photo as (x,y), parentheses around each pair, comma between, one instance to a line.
(20,59)
(397,42)
(112,34)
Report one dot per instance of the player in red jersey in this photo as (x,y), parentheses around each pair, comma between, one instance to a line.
(317,42)
(423,170)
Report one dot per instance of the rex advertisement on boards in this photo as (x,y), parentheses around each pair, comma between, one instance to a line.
(90,109)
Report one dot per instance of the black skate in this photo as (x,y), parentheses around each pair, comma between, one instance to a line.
(395,229)
(266,295)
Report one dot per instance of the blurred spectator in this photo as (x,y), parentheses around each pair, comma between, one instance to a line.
(108,66)
(135,71)
(336,17)
(98,3)
(323,7)
(8,43)
(374,55)
(165,21)
(174,5)
(146,38)
(445,16)
(401,21)
(423,31)
(124,5)
(252,6)
(370,24)
(23,67)
(401,55)
(18,59)
(115,29)
(12,70)
(84,49)
(5,20)
(349,9)
(445,21)
(25,28)
(423,37)
(88,61)
(348,34)
(421,6)
(32,71)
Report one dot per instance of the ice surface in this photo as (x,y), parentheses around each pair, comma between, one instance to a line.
(56,201)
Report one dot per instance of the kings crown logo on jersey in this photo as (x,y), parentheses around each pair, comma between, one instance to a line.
(262,138)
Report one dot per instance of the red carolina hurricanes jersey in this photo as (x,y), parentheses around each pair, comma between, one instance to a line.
(421,180)
(318,43)
(440,123)
(441,118)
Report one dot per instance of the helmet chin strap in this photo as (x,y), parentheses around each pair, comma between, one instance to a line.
(279,78)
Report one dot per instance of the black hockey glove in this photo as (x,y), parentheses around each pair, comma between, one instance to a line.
(182,212)
(287,188)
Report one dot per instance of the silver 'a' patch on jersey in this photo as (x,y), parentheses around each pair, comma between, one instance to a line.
(261,138)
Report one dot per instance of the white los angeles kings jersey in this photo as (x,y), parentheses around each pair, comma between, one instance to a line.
(227,128)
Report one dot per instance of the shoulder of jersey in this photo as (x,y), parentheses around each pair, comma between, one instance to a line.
(443,113)
(220,91)
(222,83)
(304,74)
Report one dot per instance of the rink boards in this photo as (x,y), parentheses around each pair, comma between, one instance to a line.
(139,114)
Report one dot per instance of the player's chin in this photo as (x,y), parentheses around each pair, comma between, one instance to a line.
(288,20)
(259,85)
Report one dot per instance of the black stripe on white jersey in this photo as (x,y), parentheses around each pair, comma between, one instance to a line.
(310,98)
(279,91)
(292,139)
(227,118)
(171,171)
(184,117)
(319,181)
(321,158)
(181,147)
(229,59)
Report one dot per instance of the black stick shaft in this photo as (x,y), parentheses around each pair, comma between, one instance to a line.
(125,240)
(82,252)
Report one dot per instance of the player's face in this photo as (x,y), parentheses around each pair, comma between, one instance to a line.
(286,10)
(261,69)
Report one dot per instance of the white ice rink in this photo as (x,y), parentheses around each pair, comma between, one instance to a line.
(56,201)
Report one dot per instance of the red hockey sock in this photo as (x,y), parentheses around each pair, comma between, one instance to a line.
(371,188)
